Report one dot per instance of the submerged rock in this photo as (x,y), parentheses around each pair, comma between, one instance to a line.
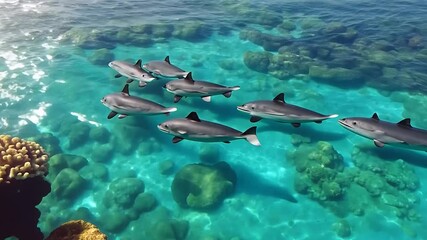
(101,57)
(201,186)
(258,61)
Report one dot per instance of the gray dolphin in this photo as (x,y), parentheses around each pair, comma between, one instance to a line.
(279,110)
(124,104)
(165,69)
(132,72)
(187,87)
(192,128)
(400,134)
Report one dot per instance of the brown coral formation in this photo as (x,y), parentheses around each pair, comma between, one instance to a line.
(23,165)
(77,230)
(21,159)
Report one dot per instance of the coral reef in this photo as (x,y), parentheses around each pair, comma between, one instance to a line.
(203,187)
(320,171)
(166,167)
(77,230)
(372,184)
(123,202)
(49,142)
(21,159)
(68,184)
(23,165)
(169,229)
(60,161)
(101,57)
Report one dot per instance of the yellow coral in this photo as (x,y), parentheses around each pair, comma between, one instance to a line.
(20,159)
(77,230)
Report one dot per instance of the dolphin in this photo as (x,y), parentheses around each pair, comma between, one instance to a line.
(279,110)
(123,104)
(165,69)
(132,72)
(192,128)
(189,88)
(400,134)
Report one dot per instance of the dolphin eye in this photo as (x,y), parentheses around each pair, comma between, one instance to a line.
(253,107)
(354,122)
(166,126)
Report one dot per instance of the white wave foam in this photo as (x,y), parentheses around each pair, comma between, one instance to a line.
(82,118)
(36,115)
(12,60)
(3,75)
(4,122)
(32,7)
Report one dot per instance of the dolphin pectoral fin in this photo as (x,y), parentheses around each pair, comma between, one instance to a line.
(255,119)
(227,94)
(177,98)
(111,115)
(226,142)
(296,124)
(117,75)
(318,121)
(129,80)
(177,139)
(206,98)
(122,116)
(378,143)
(142,84)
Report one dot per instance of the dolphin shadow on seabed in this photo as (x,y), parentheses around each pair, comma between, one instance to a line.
(305,130)
(417,158)
(253,184)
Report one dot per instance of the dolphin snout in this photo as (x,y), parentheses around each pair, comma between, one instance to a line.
(242,108)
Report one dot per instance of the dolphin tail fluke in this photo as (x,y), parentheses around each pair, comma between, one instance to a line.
(251,137)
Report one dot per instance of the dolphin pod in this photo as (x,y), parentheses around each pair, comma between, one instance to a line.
(401,134)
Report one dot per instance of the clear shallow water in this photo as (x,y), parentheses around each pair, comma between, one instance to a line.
(49,84)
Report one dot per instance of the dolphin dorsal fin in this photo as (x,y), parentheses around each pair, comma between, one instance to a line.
(138,63)
(167,59)
(126,90)
(405,123)
(189,78)
(280,98)
(193,116)
(375,116)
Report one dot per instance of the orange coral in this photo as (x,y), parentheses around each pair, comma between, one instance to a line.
(20,159)
(77,230)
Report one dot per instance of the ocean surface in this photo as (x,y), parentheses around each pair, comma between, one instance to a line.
(351,58)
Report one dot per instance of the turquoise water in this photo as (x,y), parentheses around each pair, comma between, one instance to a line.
(353,58)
